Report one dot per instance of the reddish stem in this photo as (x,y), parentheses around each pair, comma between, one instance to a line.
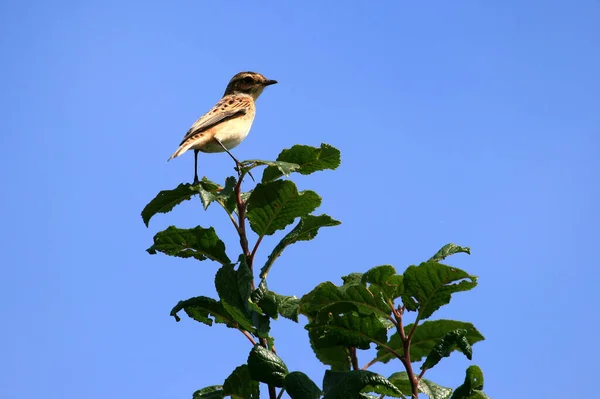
(353,357)
(241,207)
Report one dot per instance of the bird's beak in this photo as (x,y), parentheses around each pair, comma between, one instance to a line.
(269,82)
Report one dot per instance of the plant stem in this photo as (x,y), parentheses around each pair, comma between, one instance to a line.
(247,335)
(255,248)
(405,359)
(241,207)
(353,357)
(372,362)
(280,393)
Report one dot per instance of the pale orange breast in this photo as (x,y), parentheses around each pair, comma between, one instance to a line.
(231,132)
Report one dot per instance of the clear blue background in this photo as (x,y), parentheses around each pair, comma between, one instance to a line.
(473,122)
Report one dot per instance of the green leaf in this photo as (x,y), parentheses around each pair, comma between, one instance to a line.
(447,250)
(208,191)
(287,306)
(221,195)
(378,275)
(266,300)
(201,307)
(356,295)
(244,283)
(212,392)
(429,286)
(448,343)
(425,338)
(230,203)
(351,279)
(336,356)
(239,384)
(265,366)
(429,388)
(166,200)
(285,168)
(306,229)
(299,386)
(332,329)
(198,243)
(349,384)
(472,388)
(275,205)
(385,279)
(310,159)
(228,287)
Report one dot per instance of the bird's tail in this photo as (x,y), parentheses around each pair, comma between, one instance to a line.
(182,148)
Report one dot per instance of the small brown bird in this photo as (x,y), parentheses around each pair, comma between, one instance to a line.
(228,123)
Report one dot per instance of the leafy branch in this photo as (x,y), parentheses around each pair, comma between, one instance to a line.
(342,320)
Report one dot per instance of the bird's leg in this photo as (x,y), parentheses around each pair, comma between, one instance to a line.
(196,181)
(238,164)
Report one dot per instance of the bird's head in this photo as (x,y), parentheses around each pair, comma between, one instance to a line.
(250,83)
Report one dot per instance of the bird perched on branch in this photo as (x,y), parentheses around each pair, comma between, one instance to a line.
(228,123)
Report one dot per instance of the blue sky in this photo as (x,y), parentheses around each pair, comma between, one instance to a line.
(470,122)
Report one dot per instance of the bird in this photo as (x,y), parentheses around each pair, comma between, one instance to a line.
(228,123)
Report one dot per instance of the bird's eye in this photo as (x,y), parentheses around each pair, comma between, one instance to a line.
(248,79)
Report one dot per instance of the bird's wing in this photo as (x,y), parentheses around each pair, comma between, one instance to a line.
(228,107)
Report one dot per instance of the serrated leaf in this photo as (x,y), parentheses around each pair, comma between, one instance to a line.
(430,285)
(310,159)
(266,300)
(166,200)
(212,392)
(275,205)
(244,283)
(433,390)
(349,384)
(287,306)
(299,386)
(265,366)
(447,250)
(425,338)
(451,341)
(331,329)
(208,190)
(472,388)
(306,229)
(239,384)
(228,288)
(385,279)
(201,308)
(378,274)
(350,280)
(429,388)
(230,203)
(355,294)
(198,243)
(285,168)
(337,357)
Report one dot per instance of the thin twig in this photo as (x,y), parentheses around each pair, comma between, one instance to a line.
(280,393)
(372,362)
(421,374)
(353,357)
(247,334)
(255,247)
(237,228)
(241,208)
(405,359)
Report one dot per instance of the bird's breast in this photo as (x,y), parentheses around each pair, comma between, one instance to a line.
(231,133)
